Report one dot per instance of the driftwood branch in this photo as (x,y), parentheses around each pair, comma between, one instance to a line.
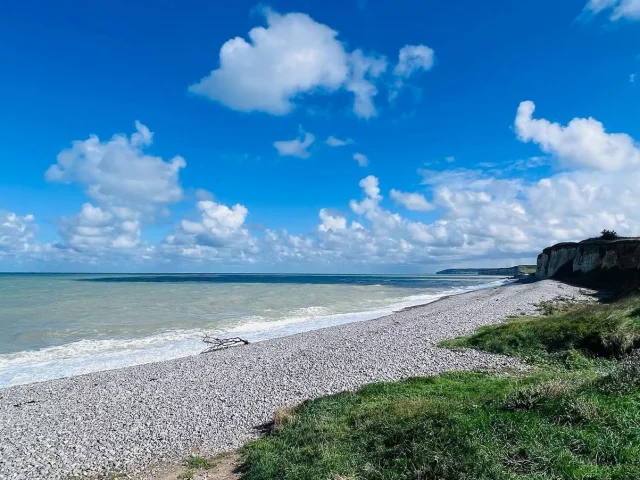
(222,343)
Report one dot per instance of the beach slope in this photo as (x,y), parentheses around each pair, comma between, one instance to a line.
(125,420)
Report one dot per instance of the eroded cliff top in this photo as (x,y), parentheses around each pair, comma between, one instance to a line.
(592,241)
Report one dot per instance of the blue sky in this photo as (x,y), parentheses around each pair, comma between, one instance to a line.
(446,176)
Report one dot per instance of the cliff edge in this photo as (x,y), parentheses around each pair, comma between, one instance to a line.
(593,262)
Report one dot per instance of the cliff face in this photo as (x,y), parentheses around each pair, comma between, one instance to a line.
(614,263)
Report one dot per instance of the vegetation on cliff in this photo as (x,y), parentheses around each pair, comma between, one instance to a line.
(608,235)
(575,416)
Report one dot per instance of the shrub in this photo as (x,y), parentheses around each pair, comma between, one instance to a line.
(624,379)
(608,234)
(578,409)
(530,396)
(199,463)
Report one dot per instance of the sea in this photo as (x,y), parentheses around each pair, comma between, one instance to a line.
(62,325)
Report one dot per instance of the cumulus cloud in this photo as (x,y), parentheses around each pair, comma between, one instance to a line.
(298,147)
(293,55)
(218,225)
(331,222)
(619,9)
(484,216)
(126,185)
(582,143)
(95,229)
(215,233)
(518,217)
(364,70)
(506,216)
(118,172)
(490,219)
(413,58)
(16,233)
(411,201)
(361,158)
(336,142)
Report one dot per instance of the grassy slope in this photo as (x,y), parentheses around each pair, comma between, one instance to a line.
(576,417)
(595,330)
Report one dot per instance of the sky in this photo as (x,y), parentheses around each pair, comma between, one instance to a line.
(336,136)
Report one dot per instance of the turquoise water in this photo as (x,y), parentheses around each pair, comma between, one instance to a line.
(59,325)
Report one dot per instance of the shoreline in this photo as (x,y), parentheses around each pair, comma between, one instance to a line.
(127,419)
(91,355)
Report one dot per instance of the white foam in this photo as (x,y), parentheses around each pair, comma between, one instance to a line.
(86,356)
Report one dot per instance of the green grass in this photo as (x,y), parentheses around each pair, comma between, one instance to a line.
(577,419)
(194,463)
(592,331)
(528,269)
(199,463)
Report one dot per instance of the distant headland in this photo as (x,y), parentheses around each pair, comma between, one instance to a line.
(518,270)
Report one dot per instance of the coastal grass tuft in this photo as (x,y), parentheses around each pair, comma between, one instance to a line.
(193,464)
(197,462)
(283,416)
(576,416)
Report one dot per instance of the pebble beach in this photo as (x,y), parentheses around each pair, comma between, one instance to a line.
(125,420)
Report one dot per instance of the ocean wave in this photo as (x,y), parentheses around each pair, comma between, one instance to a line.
(86,356)
(92,347)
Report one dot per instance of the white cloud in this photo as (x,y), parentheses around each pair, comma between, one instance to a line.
(485,220)
(411,201)
(336,142)
(331,222)
(294,54)
(298,147)
(627,9)
(518,217)
(364,70)
(450,159)
(216,233)
(218,226)
(128,187)
(361,158)
(632,78)
(583,143)
(371,187)
(596,6)
(118,172)
(16,233)
(413,58)
(484,217)
(94,230)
